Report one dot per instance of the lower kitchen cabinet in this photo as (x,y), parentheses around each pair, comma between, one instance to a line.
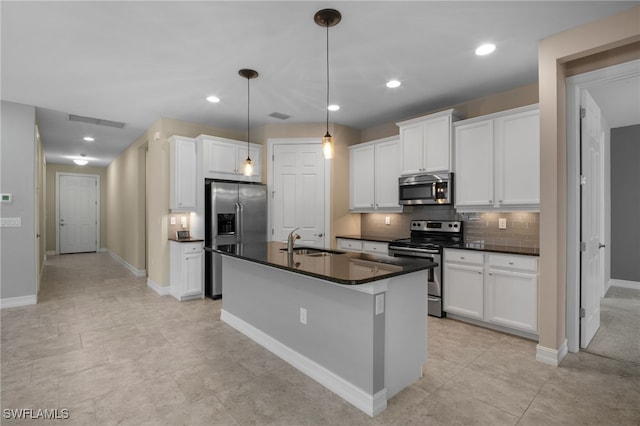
(186,270)
(464,277)
(497,289)
(362,246)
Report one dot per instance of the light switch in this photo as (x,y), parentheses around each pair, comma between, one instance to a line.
(173,220)
(502,223)
(387,220)
(379,303)
(183,221)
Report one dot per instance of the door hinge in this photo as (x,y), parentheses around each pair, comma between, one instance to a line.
(273,194)
(583,112)
(583,246)
(272,231)
(583,180)
(273,157)
(582,313)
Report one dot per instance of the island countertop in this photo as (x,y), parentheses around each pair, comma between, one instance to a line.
(346,268)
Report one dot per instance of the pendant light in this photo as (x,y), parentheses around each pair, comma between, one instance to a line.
(327,18)
(248,74)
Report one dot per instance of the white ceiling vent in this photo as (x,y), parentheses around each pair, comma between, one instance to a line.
(96,121)
(279,115)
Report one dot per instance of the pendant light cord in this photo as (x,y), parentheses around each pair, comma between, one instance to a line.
(327,24)
(248,127)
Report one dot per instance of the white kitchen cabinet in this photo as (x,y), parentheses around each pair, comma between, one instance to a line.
(374,168)
(493,289)
(511,291)
(224,159)
(497,161)
(463,275)
(183,161)
(425,143)
(348,244)
(186,270)
(362,246)
(375,247)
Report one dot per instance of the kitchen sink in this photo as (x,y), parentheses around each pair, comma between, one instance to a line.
(316,252)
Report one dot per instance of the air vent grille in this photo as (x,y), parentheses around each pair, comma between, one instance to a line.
(279,115)
(96,121)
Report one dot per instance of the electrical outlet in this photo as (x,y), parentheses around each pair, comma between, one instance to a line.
(379,303)
(502,223)
(303,316)
(183,222)
(173,220)
(387,220)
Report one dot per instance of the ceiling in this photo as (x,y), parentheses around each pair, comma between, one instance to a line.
(135,62)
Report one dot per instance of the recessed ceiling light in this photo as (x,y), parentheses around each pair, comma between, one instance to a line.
(213,99)
(80,161)
(333,107)
(485,49)
(88,139)
(392,84)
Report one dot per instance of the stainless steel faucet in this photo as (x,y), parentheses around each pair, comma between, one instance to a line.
(291,240)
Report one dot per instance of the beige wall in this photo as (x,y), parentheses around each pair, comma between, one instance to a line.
(520,96)
(51,195)
(554,53)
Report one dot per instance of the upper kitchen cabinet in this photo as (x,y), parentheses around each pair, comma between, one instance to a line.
(224,159)
(374,168)
(183,165)
(425,143)
(497,161)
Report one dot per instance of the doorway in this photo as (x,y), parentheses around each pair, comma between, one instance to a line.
(77,213)
(299,181)
(588,272)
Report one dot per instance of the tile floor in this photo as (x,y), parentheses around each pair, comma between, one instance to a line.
(103,345)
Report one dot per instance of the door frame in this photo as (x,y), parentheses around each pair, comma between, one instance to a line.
(98,224)
(575,86)
(327,182)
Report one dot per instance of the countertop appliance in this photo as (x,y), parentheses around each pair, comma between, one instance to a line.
(428,239)
(420,189)
(235,213)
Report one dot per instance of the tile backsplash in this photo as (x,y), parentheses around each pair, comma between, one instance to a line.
(523,228)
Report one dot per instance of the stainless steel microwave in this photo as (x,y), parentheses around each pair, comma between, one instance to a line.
(421,189)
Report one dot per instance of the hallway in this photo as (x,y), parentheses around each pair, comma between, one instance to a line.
(103,345)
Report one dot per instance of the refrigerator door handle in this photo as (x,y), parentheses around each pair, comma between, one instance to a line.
(238,223)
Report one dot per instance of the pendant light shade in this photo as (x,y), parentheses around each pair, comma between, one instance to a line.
(249,75)
(327,18)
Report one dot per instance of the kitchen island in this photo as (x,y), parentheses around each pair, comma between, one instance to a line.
(354,322)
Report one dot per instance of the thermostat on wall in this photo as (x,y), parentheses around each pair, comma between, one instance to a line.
(6,198)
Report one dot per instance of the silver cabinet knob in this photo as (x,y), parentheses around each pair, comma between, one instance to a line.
(318,235)
(601,245)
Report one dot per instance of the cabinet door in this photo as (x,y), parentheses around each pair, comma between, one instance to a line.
(474,164)
(518,159)
(362,178)
(464,290)
(512,299)
(183,175)
(411,145)
(192,274)
(437,144)
(349,245)
(387,171)
(221,157)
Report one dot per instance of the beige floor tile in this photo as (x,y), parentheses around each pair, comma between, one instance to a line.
(204,412)
(69,363)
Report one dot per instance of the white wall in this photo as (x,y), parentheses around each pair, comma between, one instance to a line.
(17,176)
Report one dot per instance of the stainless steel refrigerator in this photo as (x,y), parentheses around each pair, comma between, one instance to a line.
(235,215)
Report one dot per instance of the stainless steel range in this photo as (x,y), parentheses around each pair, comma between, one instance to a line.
(428,239)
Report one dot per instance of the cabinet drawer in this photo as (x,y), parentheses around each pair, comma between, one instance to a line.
(523,263)
(350,245)
(464,256)
(191,248)
(375,247)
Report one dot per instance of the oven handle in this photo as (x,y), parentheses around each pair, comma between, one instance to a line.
(414,250)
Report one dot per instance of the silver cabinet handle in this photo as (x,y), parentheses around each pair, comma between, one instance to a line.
(510,263)
(601,245)
(318,235)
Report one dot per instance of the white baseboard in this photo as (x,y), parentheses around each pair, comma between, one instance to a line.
(14,302)
(625,284)
(370,404)
(552,356)
(136,272)
(51,252)
(607,286)
(161,290)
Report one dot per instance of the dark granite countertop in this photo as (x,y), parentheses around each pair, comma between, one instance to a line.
(378,238)
(341,267)
(187,240)
(498,248)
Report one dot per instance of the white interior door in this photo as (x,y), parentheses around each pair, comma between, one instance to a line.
(298,199)
(77,213)
(592,205)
